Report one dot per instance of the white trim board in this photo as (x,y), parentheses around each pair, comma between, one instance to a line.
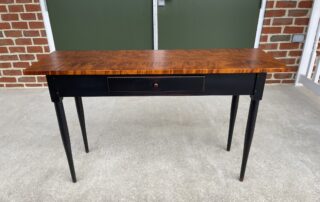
(260,23)
(47,25)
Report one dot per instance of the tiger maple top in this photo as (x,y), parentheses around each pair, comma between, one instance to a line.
(156,62)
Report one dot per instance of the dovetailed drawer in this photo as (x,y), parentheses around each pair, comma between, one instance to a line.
(154,84)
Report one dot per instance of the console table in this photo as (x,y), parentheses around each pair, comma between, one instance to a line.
(232,72)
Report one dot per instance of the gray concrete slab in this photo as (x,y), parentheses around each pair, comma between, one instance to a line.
(160,149)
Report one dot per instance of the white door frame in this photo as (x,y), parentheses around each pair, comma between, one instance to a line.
(47,25)
(260,23)
(307,75)
(155,25)
(48,28)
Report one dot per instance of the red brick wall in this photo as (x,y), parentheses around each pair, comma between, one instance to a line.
(282,20)
(23,38)
(22,41)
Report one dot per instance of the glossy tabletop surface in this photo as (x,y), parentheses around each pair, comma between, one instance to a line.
(156,62)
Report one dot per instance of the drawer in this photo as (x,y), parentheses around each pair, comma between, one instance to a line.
(156,84)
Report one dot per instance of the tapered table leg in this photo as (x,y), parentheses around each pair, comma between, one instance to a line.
(233,115)
(80,111)
(65,136)
(253,111)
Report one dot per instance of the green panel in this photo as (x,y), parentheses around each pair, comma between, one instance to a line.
(189,24)
(101,24)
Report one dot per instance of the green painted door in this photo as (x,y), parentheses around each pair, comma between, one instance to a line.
(101,24)
(189,24)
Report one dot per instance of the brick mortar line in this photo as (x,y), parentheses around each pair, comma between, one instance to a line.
(285,25)
(10,21)
(284,8)
(24,46)
(21,37)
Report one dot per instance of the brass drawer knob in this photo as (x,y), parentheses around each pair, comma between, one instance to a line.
(155,85)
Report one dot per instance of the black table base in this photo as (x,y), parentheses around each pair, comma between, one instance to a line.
(151,85)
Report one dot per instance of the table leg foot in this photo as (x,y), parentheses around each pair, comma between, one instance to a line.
(233,114)
(80,111)
(254,105)
(65,136)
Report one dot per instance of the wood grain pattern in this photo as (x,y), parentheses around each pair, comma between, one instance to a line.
(150,62)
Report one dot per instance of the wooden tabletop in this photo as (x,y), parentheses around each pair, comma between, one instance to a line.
(152,62)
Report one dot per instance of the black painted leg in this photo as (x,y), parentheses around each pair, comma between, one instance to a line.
(254,105)
(233,115)
(80,111)
(65,136)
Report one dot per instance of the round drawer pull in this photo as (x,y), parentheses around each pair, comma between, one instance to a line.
(155,85)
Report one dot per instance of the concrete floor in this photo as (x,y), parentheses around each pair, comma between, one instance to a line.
(160,149)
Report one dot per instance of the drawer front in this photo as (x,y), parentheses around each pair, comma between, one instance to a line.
(155,84)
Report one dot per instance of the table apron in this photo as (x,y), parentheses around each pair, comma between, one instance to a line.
(96,85)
